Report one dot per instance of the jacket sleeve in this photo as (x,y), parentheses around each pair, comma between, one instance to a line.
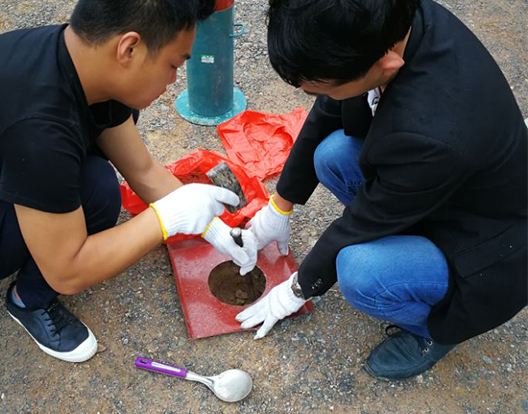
(298,179)
(407,177)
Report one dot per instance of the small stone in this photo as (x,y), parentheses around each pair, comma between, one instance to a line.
(487,360)
(2,396)
(524,404)
(241,294)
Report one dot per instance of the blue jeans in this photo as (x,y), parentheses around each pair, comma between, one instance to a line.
(395,278)
(101,202)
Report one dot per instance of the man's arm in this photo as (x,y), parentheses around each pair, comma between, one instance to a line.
(70,260)
(298,179)
(125,149)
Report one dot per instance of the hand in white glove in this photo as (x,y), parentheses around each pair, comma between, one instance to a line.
(271,224)
(218,234)
(190,208)
(276,305)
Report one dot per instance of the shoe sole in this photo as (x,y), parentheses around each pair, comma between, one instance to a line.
(369,371)
(82,353)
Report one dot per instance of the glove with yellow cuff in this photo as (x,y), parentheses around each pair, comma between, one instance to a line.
(271,224)
(190,208)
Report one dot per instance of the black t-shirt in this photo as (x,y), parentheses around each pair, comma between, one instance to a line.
(47,127)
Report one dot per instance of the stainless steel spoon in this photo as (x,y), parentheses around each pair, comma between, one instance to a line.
(230,386)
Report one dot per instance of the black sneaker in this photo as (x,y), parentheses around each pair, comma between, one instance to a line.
(404,355)
(55,330)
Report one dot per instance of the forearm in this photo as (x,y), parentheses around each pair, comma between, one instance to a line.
(154,183)
(106,254)
(125,149)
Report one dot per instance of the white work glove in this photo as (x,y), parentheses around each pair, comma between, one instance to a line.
(271,224)
(190,208)
(218,234)
(276,305)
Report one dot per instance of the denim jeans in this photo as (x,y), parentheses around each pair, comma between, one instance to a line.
(396,278)
(101,202)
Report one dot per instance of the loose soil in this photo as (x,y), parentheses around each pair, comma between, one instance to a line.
(228,286)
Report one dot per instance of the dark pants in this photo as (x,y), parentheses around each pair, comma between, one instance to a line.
(101,202)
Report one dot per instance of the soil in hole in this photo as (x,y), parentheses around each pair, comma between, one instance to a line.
(226,284)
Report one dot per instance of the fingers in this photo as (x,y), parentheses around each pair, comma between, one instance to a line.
(226,196)
(218,209)
(256,319)
(248,239)
(245,269)
(250,311)
(243,258)
(250,248)
(283,248)
(266,327)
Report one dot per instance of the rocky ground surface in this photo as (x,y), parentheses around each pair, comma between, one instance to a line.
(307,365)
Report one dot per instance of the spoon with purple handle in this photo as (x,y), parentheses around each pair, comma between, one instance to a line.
(230,386)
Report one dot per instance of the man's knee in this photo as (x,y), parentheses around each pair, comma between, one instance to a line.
(100,194)
(357,274)
(326,155)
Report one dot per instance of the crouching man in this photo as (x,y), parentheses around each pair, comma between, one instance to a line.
(68,94)
(417,133)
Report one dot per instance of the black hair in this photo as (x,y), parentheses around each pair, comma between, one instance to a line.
(334,40)
(157,21)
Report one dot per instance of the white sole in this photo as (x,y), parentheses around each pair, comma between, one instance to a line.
(82,353)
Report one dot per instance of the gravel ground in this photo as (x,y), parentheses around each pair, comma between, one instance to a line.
(306,365)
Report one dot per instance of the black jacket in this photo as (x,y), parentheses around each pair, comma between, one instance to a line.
(445,157)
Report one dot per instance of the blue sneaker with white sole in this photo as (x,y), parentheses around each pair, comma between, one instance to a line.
(55,330)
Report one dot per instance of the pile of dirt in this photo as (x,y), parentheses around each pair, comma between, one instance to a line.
(228,286)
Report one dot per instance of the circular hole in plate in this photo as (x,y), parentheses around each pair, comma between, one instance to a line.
(228,286)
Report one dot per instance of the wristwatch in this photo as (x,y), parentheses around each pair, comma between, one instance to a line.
(296,288)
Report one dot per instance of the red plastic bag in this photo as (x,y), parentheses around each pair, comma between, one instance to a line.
(261,142)
(192,169)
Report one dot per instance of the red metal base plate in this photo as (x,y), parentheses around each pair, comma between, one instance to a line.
(192,262)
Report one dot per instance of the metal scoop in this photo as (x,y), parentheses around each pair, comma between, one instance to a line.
(230,386)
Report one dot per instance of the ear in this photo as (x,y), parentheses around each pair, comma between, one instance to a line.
(390,63)
(128,48)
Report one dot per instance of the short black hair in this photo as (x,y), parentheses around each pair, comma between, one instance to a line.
(157,21)
(334,40)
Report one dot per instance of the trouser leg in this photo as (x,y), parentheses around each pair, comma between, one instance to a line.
(336,162)
(397,278)
(101,203)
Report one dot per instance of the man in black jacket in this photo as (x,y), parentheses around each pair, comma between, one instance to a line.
(416,131)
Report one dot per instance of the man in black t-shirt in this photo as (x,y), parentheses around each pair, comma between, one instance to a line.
(416,131)
(65,110)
